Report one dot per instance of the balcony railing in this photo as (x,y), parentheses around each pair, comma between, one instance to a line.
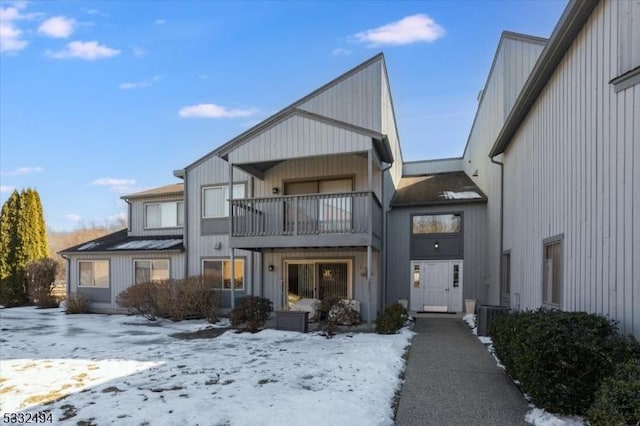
(313,214)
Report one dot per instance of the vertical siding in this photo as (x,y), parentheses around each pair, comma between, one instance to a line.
(389,128)
(137,217)
(573,168)
(475,234)
(121,271)
(354,100)
(514,60)
(299,136)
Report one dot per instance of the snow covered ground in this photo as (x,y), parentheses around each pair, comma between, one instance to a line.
(114,370)
(536,416)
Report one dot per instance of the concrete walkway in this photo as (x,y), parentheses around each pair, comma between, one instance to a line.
(451,379)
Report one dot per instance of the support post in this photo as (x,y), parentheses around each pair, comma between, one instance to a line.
(370,232)
(233,251)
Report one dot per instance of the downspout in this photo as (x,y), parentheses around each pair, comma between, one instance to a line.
(501,283)
(185,226)
(384,238)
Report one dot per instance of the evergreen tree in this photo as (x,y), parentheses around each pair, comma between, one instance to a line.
(22,239)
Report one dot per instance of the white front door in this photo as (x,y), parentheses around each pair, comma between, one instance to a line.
(436,286)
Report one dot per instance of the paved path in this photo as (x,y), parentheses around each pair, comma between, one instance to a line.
(451,379)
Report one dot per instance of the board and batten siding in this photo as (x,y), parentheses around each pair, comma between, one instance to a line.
(515,57)
(299,136)
(121,272)
(390,130)
(274,280)
(573,168)
(137,217)
(474,242)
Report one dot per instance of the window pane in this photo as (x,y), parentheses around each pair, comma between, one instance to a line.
(86,273)
(238,190)
(437,224)
(212,272)
(159,270)
(153,212)
(215,204)
(180,213)
(143,271)
(552,269)
(169,216)
(239,274)
(101,273)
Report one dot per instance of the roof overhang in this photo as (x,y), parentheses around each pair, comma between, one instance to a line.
(565,32)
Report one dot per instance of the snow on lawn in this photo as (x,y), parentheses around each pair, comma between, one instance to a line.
(114,369)
(536,416)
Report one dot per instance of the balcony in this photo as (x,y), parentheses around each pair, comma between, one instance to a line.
(347,219)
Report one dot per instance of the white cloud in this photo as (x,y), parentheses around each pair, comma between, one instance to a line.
(6,188)
(340,51)
(214,111)
(57,27)
(411,29)
(120,186)
(87,50)
(72,217)
(140,84)
(10,35)
(21,171)
(95,12)
(159,22)
(139,51)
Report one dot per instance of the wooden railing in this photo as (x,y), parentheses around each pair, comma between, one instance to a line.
(313,214)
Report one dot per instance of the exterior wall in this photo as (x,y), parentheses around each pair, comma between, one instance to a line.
(514,60)
(475,285)
(428,167)
(121,272)
(389,128)
(274,280)
(136,217)
(573,168)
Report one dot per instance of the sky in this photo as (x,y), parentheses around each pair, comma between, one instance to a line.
(104,98)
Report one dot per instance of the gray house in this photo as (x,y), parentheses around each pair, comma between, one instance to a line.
(541,209)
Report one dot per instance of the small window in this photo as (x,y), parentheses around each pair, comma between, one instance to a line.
(416,276)
(94,273)
(552,278)
(456,276)
(215,200)
(164,215)
(437,224)
(218,273)
(506,274)
(147,271)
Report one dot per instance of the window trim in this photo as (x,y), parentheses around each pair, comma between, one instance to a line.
(167,259)
(556,239)
(93,261)
(156,203)
(350,261)
(203,190)
(444,234)
(222,259)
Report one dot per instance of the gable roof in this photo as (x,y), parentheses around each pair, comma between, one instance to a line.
(173,189)
(565,32)
(223,150)
(437,189)
(119,241)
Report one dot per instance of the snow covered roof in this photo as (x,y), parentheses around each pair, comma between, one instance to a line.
(441,188)
(121,241)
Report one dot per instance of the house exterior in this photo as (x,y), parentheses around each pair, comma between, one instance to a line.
(541,209)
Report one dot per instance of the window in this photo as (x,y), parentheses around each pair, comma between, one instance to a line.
(552,272)
(437,224)
(218,272)
(164,215)
(147,271)
(456,276)
(506,274)
(215,199)
(94,273)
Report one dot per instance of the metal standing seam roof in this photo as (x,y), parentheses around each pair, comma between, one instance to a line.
(120,241)
(435,189)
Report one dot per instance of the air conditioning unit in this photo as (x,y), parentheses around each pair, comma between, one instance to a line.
(486,315)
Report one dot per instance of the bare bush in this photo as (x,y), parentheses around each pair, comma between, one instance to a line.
(41,277)
(76,303)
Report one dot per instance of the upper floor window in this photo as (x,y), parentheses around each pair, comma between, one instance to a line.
(215,199)
(147,271)
(552,272)
(93,273)
(436,224)
(164,215)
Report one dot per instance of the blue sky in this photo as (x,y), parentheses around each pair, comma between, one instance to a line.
(99,99)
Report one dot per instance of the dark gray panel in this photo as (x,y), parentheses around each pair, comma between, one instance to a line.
(224,298)
(96,295)
(215,226)
(449,247)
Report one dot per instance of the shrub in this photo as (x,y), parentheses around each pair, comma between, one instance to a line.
(329,324)
(251,313)
(176,300)
(617,402)
(41,277)
(561,358)
(76,303)
(392,319)
(343,313)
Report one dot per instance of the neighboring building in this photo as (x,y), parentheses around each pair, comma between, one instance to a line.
(542,208)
